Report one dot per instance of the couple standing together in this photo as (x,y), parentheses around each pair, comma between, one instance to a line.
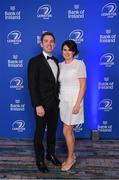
(48,83)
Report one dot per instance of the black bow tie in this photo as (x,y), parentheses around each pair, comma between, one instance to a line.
(52,57)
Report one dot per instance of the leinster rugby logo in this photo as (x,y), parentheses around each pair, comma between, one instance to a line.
(78,128)
(76,35)
(18,125)
(109,10)
(44,11)
(16,83)
(14,37)
(105,104)
(107,59)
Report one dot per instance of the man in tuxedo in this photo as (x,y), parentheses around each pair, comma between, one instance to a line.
(43,85)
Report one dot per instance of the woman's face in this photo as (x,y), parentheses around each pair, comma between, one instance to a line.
(67,53)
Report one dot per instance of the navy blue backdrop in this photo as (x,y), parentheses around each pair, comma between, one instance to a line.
(94,26)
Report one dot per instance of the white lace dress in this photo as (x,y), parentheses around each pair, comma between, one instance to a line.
(69,89)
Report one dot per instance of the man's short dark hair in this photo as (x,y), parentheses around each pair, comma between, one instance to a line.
(47,33)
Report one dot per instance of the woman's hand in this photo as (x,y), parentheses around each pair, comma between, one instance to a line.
(40,111)
(76,109)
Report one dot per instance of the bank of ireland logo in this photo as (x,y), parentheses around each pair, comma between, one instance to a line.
(14,37)
(78,128)
(18,125)
(107,59)
(76,35)
(44,11)
(105,105)
(109,10)
(16,83)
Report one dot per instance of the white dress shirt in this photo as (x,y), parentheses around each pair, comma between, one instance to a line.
(52,64)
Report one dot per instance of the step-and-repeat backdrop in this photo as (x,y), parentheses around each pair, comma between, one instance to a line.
(94,26)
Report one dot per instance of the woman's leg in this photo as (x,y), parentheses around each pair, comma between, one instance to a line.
(70,141)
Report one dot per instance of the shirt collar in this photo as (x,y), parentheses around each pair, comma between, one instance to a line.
(46,54)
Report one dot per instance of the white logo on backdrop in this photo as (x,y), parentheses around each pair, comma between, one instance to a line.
(106,84)
(107,60)
(105,104)
(38,39)
(12,14)
(75,13)
(104,127)
(17,106)
(14,37)
(76,35)
(15,62)
(18,125)
(16,83)
(109,10)
(78,128)
(108,37)
(44,11)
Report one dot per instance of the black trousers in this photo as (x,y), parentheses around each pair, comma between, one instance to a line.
(50,121)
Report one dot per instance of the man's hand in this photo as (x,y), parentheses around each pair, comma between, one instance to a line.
(40,111)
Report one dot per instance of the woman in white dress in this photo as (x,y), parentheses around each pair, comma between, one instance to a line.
(72,80)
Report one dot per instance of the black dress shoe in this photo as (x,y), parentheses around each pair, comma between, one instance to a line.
(53,159)
(42,167)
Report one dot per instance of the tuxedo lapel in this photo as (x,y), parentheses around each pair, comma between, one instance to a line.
(48,66)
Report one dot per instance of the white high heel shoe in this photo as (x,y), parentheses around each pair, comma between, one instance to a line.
(65,161)
(67,167)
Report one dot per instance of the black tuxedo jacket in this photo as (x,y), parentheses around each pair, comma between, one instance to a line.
(41,82)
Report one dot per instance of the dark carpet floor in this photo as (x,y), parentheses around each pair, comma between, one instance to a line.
(95,160)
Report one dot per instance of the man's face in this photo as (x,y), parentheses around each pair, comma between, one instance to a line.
(48,44)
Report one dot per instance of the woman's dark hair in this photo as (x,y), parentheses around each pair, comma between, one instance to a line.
(49,34)
(71,45)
